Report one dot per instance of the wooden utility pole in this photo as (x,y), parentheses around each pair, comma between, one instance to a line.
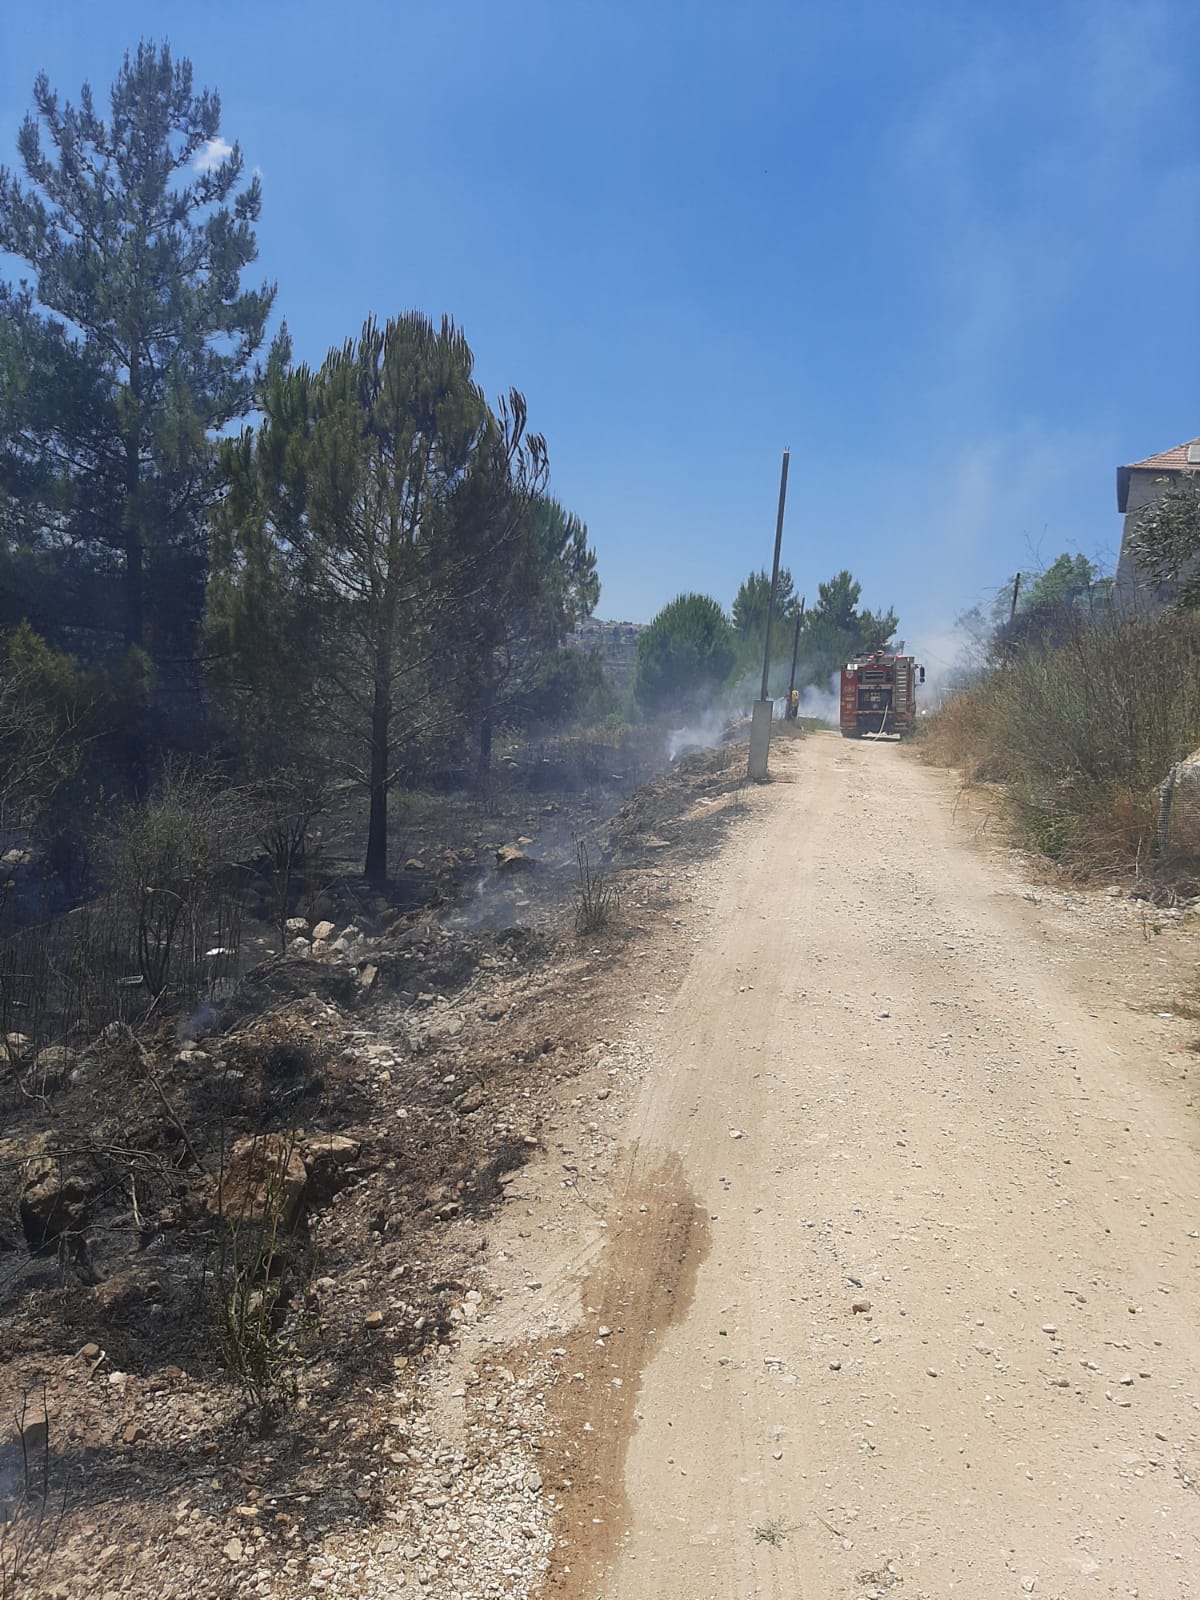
(1012,610)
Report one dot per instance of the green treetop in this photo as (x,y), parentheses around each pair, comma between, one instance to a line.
(127,348)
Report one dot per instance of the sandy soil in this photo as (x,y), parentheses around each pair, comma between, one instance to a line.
(887,1280)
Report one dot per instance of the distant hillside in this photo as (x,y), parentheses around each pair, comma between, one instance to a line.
(616,643)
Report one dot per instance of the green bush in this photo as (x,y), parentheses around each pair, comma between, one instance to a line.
(1082,734)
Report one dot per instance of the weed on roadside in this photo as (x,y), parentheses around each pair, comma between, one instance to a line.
(597,903)
(883,1578)
(773,1532)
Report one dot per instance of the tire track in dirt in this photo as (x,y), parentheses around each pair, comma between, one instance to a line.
(657,1238)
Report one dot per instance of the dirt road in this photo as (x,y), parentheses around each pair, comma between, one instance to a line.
(900,1285)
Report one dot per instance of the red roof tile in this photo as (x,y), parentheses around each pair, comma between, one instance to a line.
(1173,460)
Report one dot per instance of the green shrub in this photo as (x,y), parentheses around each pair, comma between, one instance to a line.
(1082,734)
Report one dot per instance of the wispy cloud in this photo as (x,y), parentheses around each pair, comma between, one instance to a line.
(1007,499)
(212,154)
(1007,154)
(1042,180)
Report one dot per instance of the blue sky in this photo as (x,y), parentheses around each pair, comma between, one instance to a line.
(948,252)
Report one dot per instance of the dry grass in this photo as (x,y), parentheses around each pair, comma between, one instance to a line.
(774,1531)
(597,903)
(1081,735)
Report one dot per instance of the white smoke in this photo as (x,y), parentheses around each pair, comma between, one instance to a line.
(713,726)
(705,733)
(952,657)
(824,704)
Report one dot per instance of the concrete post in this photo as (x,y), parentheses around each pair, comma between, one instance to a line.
(760,740)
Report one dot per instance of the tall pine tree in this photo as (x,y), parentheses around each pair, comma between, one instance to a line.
(128,346)
(366,517)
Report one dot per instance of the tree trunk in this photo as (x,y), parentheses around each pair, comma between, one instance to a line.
(135,627)
(137,752)
(375,869)
(134,577)
(485,745)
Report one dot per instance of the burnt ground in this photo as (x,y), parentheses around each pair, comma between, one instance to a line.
(405,1077)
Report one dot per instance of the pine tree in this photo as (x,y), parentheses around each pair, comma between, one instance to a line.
(753,601)
(835,630)
(685,655)
(374,500)
(130,346)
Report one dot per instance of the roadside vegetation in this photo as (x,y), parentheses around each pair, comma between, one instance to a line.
(1079,716)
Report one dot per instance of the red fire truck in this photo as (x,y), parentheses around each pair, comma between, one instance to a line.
(879,695)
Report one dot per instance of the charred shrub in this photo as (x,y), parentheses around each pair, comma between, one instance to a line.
(276,1077)
(260,1330)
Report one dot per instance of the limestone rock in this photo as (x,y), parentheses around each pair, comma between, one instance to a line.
(53,1202)
(54,1064)
(327,1159)
(264,1174)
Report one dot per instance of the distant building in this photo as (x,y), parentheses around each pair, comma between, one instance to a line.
(1137,485)
(616,643)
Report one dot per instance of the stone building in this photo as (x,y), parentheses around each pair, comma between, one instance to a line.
(1137,485)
